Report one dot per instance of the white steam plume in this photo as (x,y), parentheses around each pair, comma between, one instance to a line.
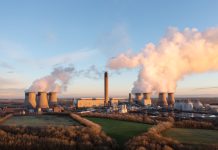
(57,81)
(177,54)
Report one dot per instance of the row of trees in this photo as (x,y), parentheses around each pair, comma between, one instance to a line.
(128,117)
(53,138)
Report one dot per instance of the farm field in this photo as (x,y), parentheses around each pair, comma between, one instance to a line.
(193,136)
(120,130)
(40,120)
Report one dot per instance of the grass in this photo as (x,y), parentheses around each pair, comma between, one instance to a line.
(193,136)
(40,120)
(121,131)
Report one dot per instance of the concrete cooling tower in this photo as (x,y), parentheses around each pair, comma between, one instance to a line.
(30,100)
(52,97)
(162,101)
(146,99)
(171,99)
(138,97)
(130,98)
(42,100)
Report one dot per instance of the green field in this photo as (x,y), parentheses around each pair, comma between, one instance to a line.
(193,136)
(40,120)
(120,130)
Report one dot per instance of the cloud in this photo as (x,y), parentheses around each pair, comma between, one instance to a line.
(114,41)
(6,65)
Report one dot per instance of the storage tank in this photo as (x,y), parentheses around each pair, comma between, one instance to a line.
(52,97)
(42,100)
(171,99)
(162,101)
(30,100)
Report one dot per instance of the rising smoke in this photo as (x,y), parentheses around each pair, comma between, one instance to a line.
(57,81)
(178,53)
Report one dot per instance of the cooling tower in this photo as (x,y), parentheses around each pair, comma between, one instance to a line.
(146,99)
(146,95)
(42,100)
(162,101)
(30,100)
(52,98)
(130,98)
(106,98)
(171,99)
(138,97)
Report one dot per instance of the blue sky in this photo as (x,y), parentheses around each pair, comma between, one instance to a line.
(35,36)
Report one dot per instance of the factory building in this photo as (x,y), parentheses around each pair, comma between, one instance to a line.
(94,102)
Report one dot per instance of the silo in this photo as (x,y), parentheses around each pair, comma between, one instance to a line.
(52,97)
(30,100)
(138,97)
(162,101)
(171,99)
(42,100)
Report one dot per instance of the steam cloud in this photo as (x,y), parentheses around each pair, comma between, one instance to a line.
(178,53)
(57,81)
(60,77)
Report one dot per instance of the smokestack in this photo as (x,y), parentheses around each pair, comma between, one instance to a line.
(138,97)
(171,99)
(106,98)
(30,100)
(52,97)
(42,100)
(162,99)
(130,98)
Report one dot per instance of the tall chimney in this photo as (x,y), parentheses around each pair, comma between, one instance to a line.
(162,99)
(42,100)
(106,98)
(171,99)
(30,100)
(138,97)
(52,97)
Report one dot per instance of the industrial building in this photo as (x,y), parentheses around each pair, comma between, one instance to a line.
(98,102)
